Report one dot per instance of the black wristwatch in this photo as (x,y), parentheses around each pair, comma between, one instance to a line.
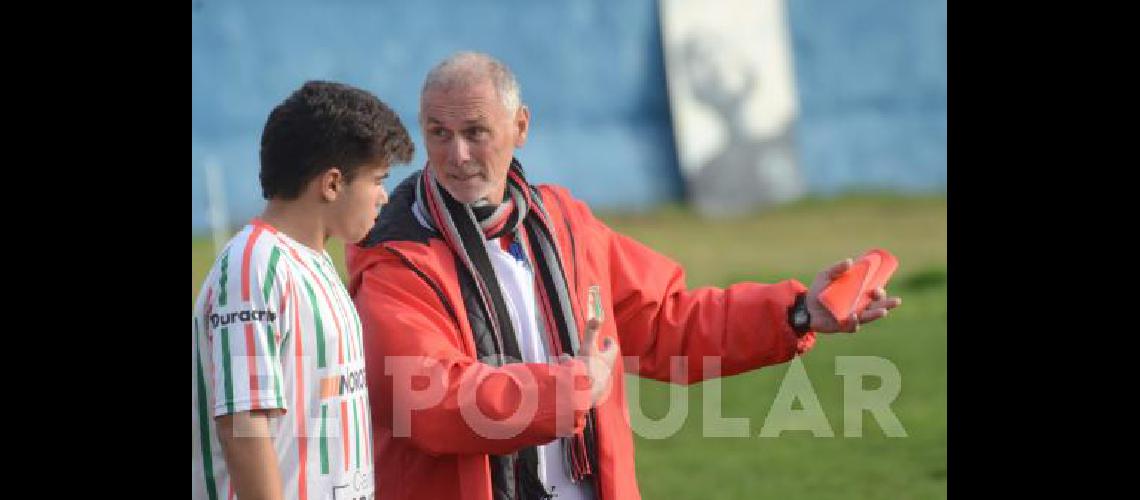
(798,316)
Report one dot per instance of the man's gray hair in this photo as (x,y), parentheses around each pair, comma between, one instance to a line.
(470,68)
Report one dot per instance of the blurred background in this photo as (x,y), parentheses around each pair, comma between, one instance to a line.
(748,140)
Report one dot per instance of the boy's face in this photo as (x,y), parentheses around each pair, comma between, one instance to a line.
(357,203)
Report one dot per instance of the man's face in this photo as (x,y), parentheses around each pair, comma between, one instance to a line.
(471,138)
(357,203)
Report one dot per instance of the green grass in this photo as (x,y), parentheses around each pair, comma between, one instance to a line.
(796,242)
(798,465)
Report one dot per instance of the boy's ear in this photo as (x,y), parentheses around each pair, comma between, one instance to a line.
(330,184)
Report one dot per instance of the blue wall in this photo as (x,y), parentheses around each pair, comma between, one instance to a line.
(871,76)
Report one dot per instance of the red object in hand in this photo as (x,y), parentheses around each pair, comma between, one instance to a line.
(851,292)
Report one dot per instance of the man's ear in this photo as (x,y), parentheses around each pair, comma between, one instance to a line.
(522,121)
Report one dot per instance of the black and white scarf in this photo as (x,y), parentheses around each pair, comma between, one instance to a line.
(465,228)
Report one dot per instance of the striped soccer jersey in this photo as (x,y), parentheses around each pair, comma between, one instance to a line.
(274,328)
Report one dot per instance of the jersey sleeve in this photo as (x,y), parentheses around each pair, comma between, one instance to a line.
(245,321)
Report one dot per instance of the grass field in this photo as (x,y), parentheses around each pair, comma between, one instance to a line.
(795,242)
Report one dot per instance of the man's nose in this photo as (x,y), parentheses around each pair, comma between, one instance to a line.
(460,151)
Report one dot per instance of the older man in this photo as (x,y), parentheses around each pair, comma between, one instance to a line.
(484,298)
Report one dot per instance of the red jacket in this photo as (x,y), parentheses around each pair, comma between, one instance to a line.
(406,290)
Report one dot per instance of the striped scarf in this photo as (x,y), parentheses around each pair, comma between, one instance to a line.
(465,228)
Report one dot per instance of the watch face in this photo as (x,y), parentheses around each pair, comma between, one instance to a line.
(801,317)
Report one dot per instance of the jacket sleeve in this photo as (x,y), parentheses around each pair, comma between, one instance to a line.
(423,387)
(657,318)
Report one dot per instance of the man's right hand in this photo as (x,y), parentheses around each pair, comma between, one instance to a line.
(599,362)
(822,321)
